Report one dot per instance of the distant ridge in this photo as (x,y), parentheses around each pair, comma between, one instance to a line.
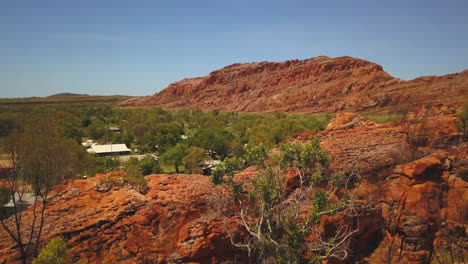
(315,85)
(67,94)
(65,98)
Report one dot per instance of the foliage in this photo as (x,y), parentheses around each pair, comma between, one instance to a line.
(384,118)
(55,252)
(134,173)
(463,117)
(321,206)
(272,219)
(103,164)
(255,155)
(174,155)
(44,157)
(306,159)
(222,134)
(214,141)
(149,165)
(193,158)
(8,123)
(40,158)
(4,195)
(346,180)
(114,178)
(228,167)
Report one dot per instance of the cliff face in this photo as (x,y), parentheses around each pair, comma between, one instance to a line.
(405,211)
(320,84)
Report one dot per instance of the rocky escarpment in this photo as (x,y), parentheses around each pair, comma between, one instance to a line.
(179,220)
(316,85)
(408,210)
(423,202)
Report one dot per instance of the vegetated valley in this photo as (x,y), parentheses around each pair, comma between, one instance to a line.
(315,161)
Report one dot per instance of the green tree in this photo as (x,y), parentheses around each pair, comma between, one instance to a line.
(68,125)
(134,176)
(224,173)
(149,165)
(193,158)
(8,123)
(55,252)
(174,155)
(306,159)
(255,155)
(215,141)
(97,131)
(261,134)
(42,159)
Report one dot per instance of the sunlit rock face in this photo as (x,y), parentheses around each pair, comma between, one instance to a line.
(316,85)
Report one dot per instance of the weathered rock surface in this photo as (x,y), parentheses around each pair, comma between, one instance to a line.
(415,201)
(424,203)
(377,146)
(181,219)
(405,209)
(316,85)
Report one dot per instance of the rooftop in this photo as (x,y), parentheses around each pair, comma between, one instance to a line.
(111,148)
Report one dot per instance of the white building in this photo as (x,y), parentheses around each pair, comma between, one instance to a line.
(110,149)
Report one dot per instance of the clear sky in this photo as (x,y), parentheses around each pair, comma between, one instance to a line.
(139,47)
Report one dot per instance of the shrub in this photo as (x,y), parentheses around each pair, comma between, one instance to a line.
(463,117)
(149,165)
(55,252)
(193,158)
(255,155)
(134,175)
(113,178)
(384,118)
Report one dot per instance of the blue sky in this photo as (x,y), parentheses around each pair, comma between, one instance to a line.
(139,47)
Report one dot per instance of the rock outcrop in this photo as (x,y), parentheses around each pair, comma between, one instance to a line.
(423,202)
(424,206)
(181,219)
(409,208)
(316,85)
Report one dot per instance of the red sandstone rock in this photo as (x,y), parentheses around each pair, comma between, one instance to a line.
(181,218)
(422,210)
(406,209)
(316,85)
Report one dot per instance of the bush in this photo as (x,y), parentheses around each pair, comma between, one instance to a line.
(149,165)
(384,118)
(134,175)
(463,117)
(113,178)
(55,252)
(193,158)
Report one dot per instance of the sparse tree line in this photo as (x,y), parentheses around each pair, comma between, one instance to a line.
(172,134)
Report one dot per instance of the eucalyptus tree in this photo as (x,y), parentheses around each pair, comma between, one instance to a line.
(40,159)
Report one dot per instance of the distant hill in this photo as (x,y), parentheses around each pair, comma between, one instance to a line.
(65,98)
(316,85)
(67,94)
